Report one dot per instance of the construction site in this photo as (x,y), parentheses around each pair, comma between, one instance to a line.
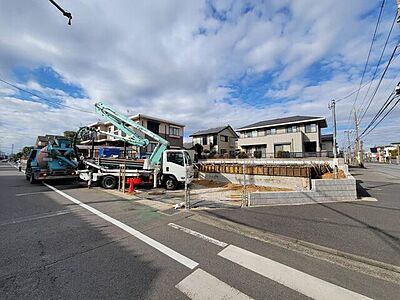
(179,176)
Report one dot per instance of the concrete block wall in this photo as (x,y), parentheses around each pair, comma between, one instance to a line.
(334,190)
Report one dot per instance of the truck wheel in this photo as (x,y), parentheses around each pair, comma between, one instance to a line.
(32,179)
(170,183)
(108,182)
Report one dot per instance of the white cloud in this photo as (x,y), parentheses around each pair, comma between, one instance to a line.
(170,58)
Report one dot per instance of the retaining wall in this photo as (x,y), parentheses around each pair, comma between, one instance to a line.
(334,190)
(295,183)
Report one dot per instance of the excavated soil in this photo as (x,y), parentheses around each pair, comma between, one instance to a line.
(234,187)
(341,175)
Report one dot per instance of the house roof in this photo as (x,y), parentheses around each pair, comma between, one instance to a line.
(285,121)
(214,130)
(327,137)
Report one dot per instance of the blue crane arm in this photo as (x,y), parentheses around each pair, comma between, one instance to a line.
(126,125)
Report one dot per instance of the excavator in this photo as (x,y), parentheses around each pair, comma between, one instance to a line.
(165,167)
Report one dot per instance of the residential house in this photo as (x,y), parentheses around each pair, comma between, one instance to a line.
(327,142)
(218,140)
(296,136)
(169,130)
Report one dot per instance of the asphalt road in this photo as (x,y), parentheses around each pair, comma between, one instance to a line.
(366,228)
(89,244)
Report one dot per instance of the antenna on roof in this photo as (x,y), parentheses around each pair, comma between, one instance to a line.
(65,13)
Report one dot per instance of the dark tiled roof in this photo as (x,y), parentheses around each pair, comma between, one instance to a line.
(211,130)
(281,121)
(327,137)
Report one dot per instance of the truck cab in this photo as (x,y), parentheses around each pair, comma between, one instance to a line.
(176,167)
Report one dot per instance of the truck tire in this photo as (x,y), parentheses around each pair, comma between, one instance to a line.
(109,182)
(32,179)
(170,183)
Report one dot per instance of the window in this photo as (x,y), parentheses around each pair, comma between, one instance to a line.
(188,159)
(215,140)
(270,131)
(204,138)
(291,129)
(224,138)
(174,131)
(261,132)
(175,157)
(254,133)
(248,134)
(311,128)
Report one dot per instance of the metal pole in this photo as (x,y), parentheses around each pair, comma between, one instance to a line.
(331,106)
(398,154)
(357,138)
(187,203)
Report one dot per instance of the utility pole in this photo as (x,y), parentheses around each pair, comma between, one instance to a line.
(331,106)
(398,11)
(359,155)
(349,152)
(12,149)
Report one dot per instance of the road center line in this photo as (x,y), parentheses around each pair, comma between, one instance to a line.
(201,285)
(199,235)
(301,282)
(191,264)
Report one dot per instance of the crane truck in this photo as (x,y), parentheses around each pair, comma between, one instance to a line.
(165,167)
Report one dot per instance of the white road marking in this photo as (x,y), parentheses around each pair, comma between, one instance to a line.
(301,282)
(33,193)
(199,235)
(37,217)
(191,264)
(200,285)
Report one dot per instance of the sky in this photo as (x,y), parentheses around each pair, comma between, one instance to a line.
(201,63)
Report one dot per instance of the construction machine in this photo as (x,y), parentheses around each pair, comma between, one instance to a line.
(54,161)
(165,167)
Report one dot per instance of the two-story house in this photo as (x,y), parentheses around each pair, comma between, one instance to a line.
(169,130)
(296,136)
(220,140)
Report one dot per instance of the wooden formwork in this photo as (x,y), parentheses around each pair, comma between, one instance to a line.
(288,171)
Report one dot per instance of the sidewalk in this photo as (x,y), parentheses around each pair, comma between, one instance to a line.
(368,228)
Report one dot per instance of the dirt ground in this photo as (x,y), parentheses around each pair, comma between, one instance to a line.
(234,187)
(341,175)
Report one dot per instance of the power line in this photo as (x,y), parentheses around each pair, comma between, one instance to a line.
(54,102)
(370,50)
(379,61)
(384,117)
(385,105)
(380,81)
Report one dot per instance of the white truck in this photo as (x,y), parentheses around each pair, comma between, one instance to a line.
(164,167)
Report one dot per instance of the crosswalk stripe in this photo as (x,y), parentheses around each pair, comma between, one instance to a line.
(301,282)
(199,235)
(201,285)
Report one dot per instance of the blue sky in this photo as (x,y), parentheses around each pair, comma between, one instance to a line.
(206,64)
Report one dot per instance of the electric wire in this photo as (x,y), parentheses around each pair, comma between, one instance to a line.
(379,82)
(370,50)
(379,61)
(54,102)
(384,117)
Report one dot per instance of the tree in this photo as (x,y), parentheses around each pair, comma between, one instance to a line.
(26,150)
(198,149)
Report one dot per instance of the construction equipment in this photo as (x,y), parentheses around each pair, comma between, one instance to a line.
(164,167)
(54,161)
